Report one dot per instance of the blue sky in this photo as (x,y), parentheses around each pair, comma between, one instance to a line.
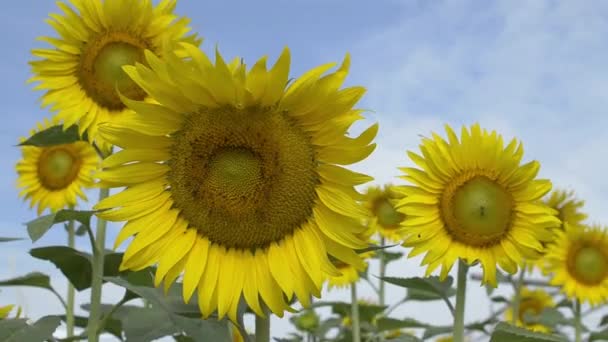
(534,70)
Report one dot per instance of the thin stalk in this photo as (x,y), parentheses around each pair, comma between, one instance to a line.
(382,273)
(97,276)
(461,289)
(517,296)
(354,306)
(578,326)
(262,328)
(69,311)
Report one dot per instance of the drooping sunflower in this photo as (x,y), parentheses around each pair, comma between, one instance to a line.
(472,200)
(82,72)
(54,176)
(532,302)
(578,261)
(349,274)
(237,170)
(383,216)
(568,207)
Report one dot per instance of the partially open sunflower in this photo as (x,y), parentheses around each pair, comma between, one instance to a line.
(578,262)
(82,72)
(234,178)
(384,218)
(55,176)
(533,303)
(569,208)
(471,199)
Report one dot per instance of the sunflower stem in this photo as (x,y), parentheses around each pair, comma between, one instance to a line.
(69,310)
(578,326)
(382,273)
(517,296)
(262,328)
(354,307)
(461,289)
(97,276)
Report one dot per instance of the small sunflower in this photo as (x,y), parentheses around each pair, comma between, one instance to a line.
(54,176)
(568,207)
(349,274)
(531,302)
(472,200)
(578,261)
(384,217)
(82,72)
(238,171)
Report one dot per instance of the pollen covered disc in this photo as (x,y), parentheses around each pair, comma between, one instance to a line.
(58,167)
(387,216)
(243,177)
(589,265)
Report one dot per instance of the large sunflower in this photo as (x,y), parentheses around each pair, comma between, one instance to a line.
(471,199)
(578,261)
(82,71)
(383,216)
(54,176)
(235,170)
(532,302)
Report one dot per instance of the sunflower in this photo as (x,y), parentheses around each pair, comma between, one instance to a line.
(6,310)
(568,207)
(383,216)
(349,274)
(532,302)
(236,170)
(472,200)
(82,72)
(54,176)
(578,261)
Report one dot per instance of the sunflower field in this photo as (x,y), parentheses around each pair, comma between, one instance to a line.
(231,193)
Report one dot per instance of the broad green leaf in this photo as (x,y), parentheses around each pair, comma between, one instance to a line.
(508,333)
(604,321)
(143,325)
(34,279)
(599,336)
(54,135)
(434,331)
(5,239)
(366,311)
(424,288)
(387,324)
(17,330)
(76,265)
(326,325)
(38,227)
(390,256)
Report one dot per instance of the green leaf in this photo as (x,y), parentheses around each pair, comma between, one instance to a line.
(366,311)
(38,227)
(499,299)
(76,265)
(434,331)
(325,326)
(430,288)
(387,324)
(17,330)
(374,248)
(599,336)
(5,239)
(112,326)
(390,256)
(404,338)
(81,230)
(34,279)
(604,321)
(54,135)
(508,333)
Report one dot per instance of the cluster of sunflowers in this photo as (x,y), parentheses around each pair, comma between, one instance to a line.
(232,184)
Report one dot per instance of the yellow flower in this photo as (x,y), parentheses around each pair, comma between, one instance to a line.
(445,339)
(54,176)
(567,206)
(82,72)
(472,200)
(384,217)
(531,302)
(232,179)
(349,273)
(578,261)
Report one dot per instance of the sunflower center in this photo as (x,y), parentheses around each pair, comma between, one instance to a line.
(590,265)
(529,307)
(476,209)
(387,216)
(58,166)
(243,177)
(101,73)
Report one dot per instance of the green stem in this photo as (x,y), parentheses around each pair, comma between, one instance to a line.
(97,277)
(382,273)
(517,296)
(461,289)
(262,328)
(69,311)
(354,305)
(578,326)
